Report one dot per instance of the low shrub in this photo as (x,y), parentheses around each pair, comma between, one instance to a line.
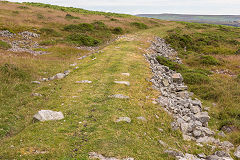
(98,25)
(113,19)
(40,16)
(83,40)
(49,32)
(208,60)
(4,45)
(139,25)
(172,65)
(192,77)
(197,76)
(23,7)
(117,30)
(82,27)
(69,16)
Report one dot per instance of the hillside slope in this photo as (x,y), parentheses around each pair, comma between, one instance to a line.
(98,47)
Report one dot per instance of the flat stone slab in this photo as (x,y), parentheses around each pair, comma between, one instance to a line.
(94,155)
(126,74)
(119,96)
(123,119)
(84,81)
(48,115)
(123,82)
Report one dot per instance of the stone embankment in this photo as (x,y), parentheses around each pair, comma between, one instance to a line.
(188,113)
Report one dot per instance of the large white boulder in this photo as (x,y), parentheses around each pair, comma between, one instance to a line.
(48,115)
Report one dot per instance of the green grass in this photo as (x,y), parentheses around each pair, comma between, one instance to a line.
(76,10)
(69,139)
(139,25)
(83,40)
(4,45)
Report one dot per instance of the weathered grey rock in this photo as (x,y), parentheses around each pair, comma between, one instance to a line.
(222,134)
(59,76)
(73,65)
(227,145)
(119,96)
(123,82)
(177,78)
(197,133)
(201,155)
(126,74)
(36,94)
(84,81)
(237,152)
(205,139)
(125,119)
(174,153)
(162,143)
(66,72)
(142,118)
(94,155)
(202,117)
(195,109)
(35,82)
(48,115)
(165,82)
(181,88)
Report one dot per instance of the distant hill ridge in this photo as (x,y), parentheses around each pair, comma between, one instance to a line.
(231,20)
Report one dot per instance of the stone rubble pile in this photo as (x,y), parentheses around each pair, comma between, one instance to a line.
(22,42)
(57,76)
(29,35)
(176,100)
(6,33)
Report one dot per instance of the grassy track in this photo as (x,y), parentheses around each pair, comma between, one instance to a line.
(89,118)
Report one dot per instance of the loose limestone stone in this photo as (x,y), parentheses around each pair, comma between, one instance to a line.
(205,139)
(48,115)
(119,96)
(36,94)
(162,143)
(123,82)
(126,74)
(94,155)
(202,117)
(84,81)
(35,82)
(142,118)
(237,152)
(177,78)
(125,119)
(59,76)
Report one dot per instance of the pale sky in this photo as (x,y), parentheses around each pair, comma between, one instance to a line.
(216,7)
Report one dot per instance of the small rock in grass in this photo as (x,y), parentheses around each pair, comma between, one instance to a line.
(125,119)
(237,152)
(123,82)
(84,81)
(35,82)
(162,143)
(126,74)
(59,76)
(73,65)
(119,96)
(142,118)
(36,94)
(48,115)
